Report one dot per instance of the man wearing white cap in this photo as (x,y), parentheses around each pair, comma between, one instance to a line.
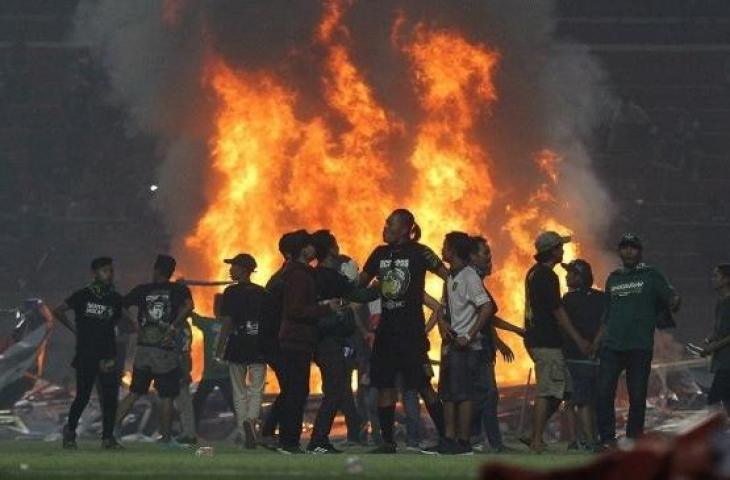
(545,323)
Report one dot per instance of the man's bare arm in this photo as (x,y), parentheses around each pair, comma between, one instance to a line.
(182,315)
(130,319)
(364,279)
(226,330)
(509,327)
(599,337)
(564,322)
(442,272)
(507,354)
(717,345)
(437,316)
(486,312)
(431,302)
(59,313)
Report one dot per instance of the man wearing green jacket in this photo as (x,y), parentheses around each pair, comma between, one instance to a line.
(637,296)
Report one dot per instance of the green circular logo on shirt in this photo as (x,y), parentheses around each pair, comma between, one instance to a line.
(395,283)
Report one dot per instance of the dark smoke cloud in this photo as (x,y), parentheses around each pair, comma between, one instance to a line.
(261,34)
(154,71)
(551,93)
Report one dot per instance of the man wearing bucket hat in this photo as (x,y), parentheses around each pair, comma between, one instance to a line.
(545,322)
(638,295)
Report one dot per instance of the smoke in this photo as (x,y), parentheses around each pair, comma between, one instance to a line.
(154,71)
(551,93)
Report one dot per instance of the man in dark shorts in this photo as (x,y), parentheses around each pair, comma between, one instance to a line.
(545,322)
(585,306)
(469,308)
(162,307)
(718,344)
(486,422)
(97,309)
(401,345)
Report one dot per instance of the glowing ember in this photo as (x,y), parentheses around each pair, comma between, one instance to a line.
(272,171)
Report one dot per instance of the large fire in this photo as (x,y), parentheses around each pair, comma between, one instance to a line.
(272,171)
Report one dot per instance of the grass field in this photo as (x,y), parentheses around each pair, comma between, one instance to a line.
(41,460)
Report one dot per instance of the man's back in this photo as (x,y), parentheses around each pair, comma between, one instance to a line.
(158,304)
(542,298)
(245,303)
(300,309)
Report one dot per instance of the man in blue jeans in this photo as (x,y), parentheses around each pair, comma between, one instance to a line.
(638,295)
(481,260)
(412,412)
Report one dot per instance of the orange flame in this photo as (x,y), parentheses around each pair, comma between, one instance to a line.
(549,162)
(272,171)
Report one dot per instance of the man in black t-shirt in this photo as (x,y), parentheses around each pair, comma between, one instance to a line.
(162,307)
(97,309)
(244,311)
(585,306)
(333,330)
(401,344)
(545,321)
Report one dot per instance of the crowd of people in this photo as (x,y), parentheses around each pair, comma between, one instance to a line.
(307,313)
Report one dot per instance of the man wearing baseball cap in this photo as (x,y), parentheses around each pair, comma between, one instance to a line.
(637,296)
(545,322)
(243,311)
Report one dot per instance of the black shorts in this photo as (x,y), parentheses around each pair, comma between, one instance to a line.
(584,377)
(720,389)
(390,360)
(166,384)
(464,375)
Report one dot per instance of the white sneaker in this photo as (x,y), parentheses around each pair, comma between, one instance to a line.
(317,451)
